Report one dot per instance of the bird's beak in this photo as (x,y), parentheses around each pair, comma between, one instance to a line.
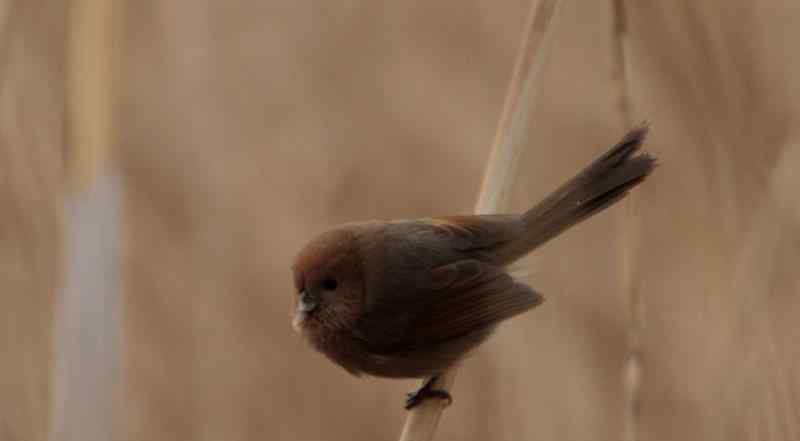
(308,302)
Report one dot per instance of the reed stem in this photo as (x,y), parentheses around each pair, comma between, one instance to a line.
(501,169)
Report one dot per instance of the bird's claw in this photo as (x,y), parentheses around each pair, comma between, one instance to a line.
(427,391)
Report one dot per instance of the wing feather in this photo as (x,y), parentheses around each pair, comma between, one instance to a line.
(467,298)
(479,232)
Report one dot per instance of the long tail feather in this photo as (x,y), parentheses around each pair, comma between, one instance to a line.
(604,182)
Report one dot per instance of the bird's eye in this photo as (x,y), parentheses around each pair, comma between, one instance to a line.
(329,284)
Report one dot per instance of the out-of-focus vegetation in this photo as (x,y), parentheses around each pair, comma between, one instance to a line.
(32,90)
(245,127)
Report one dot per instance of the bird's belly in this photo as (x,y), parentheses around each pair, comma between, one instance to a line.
(402,366)
(358,361)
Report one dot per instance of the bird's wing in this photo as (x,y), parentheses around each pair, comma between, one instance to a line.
(465,297)
(478,232)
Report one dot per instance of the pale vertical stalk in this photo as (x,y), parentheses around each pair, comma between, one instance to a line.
(89,77)
(500,171)
(621,72)
(632,370)
(88,329)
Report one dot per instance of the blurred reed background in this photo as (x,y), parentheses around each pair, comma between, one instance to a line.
(239,129)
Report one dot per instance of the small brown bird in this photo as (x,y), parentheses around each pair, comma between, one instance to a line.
(408,298)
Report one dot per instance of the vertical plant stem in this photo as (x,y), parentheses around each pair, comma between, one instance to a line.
(500,171)
(632,375)
(621,74)
(89,101)
(88,330)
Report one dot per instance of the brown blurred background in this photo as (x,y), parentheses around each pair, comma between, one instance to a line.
(209,140)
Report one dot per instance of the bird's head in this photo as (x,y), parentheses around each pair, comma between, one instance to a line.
(329,284)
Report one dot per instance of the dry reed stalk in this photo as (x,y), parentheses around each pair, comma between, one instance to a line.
(87,350)
(621,74)
(500,171)
(89,101)
(632,370)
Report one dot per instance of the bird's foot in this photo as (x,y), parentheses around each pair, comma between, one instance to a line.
(425,392)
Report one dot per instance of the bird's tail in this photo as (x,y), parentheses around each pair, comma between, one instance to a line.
(598,186)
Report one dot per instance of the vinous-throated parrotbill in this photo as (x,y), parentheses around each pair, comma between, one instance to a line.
(408,298)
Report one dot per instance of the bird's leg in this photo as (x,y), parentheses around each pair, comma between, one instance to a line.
(427,391)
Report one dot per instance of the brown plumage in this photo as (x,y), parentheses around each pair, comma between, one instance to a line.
(408,298)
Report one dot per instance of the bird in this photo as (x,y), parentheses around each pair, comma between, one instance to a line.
(409,298)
